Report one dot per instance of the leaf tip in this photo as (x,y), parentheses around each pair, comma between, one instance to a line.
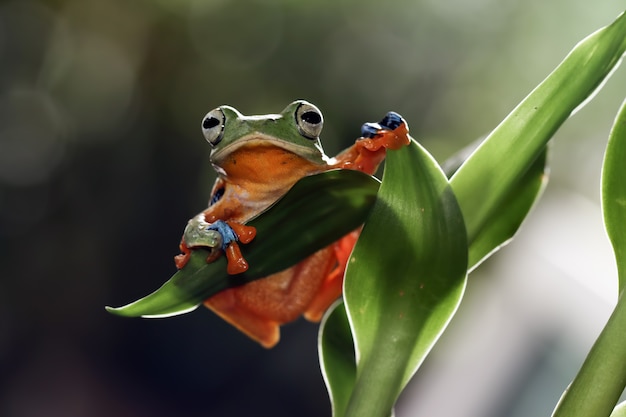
(117,311)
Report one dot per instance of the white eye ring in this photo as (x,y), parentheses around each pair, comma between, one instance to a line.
(310,120)
(213,126)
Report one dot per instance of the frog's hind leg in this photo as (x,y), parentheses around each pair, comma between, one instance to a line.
(332,286)
(260,307)
(225,304)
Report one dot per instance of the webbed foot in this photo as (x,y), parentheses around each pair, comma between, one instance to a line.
(217,235)
(392,132)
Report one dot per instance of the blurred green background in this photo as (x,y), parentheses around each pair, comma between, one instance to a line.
(102,162)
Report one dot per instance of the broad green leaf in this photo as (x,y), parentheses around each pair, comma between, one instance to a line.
(602,377)
(336,348)
(484,180)
(317,211)
(405,278)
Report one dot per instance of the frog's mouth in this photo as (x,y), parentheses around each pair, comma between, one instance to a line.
(311,153)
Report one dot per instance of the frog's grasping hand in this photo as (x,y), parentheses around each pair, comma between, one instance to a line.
(258,159)
(219,235)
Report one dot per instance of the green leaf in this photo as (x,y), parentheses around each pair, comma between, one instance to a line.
(498,184)
(336,348)
(483,182)
(620,410)
(614,193)
(317,210)
(602,377)
(405,278)
(337,361)
(509,212)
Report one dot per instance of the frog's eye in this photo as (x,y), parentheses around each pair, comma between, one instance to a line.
(310,120)
(213,126)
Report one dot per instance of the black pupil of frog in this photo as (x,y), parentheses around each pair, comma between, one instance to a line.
(210,122)
(311,117)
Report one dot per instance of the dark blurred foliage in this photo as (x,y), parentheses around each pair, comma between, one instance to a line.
(102,162)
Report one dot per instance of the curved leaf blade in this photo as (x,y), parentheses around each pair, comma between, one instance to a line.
(602,377)
(614,192)
(336,348)
(336,354)
(601,380)
(482,182)
(405,278)
(316,211)
(510,212)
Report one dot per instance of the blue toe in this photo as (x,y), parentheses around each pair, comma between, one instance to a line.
(369,130)
(392,120)
(227,232)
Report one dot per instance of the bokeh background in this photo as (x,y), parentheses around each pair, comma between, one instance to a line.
(102,162)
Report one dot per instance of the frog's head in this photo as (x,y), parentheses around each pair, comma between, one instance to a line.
(296,129)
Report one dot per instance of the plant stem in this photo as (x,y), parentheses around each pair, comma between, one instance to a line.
(602,378)
(375,391)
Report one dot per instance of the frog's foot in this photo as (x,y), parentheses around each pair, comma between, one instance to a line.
(369,150)
(196,234)
(261,329)
(232,232)
(182,259)
(245,233)
(217,235)
(392,132)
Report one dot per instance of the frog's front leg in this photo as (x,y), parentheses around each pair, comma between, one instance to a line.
(392,132)
(216,234)
(196,234)
(233,232)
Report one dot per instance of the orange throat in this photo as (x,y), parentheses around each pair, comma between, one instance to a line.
(266,164)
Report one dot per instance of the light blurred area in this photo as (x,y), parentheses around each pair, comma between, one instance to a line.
(102,162)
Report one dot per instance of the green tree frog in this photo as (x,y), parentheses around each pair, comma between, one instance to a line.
(258,159)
